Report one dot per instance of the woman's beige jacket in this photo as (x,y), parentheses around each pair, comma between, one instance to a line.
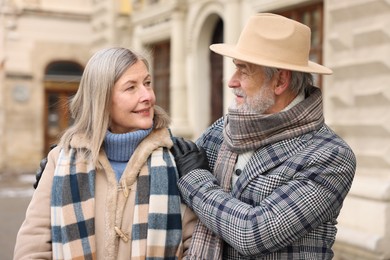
(112,209)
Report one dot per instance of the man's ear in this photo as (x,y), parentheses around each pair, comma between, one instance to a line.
(283,81)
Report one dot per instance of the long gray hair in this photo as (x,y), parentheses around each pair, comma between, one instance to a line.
(90,107)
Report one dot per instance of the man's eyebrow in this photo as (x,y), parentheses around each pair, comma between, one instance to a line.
(241,65)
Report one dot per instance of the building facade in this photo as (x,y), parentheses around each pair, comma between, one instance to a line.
(45,44)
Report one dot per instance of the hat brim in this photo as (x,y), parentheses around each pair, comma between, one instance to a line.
(232,52)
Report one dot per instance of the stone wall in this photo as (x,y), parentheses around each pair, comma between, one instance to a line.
(35,34)
(357,107)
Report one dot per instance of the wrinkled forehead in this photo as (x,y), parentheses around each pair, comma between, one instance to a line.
(244,65)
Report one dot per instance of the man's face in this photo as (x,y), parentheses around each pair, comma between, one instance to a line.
(254,93)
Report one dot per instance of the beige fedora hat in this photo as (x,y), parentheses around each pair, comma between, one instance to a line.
(274,41)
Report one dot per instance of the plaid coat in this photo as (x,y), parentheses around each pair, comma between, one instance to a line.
(284,204)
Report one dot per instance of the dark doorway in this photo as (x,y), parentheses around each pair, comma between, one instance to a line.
(216,74)
(62,80)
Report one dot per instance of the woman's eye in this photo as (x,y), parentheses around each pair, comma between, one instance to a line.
(148,83)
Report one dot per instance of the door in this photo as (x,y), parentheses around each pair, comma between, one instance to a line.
(57,114)
(62,80)
(216,60)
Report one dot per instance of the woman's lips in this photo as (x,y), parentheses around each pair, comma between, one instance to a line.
(145,111)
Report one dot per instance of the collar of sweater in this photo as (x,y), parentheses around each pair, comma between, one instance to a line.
(120,147)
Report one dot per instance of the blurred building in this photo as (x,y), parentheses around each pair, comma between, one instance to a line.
(45,44)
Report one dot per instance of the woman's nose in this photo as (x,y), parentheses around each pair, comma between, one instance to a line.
(146,93)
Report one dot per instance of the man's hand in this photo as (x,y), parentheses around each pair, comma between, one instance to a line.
(188,156)
(38,173)
(42,166)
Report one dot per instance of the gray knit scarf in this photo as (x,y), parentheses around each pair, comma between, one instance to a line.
(248,132)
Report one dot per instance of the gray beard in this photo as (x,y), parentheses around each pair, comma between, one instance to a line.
(258,104)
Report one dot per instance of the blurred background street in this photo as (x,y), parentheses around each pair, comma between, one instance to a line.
(15,194)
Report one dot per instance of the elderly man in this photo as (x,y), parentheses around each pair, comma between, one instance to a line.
(269,179)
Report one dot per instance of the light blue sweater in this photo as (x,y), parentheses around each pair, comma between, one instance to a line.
(120,147)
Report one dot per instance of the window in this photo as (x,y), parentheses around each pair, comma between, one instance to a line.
(312,16)
(161,73)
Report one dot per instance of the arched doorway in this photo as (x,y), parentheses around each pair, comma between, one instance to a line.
(62,80)
(216,74)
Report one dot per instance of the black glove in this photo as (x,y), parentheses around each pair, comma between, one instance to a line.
(42,166)
(188,156)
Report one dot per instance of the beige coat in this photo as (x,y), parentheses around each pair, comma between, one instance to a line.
(112,209)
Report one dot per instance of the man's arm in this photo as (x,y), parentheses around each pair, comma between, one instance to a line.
(292,210)
(42,165)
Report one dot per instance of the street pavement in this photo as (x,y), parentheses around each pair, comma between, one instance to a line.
(15,194)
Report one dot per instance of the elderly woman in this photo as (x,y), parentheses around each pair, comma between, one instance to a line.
(109,190)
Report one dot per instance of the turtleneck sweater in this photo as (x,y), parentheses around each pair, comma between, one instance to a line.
(120,147)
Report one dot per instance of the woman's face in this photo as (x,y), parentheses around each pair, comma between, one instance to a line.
(133,99)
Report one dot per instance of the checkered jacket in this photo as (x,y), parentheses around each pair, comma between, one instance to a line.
(284,204)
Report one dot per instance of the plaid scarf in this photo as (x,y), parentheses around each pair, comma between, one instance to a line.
(157,217)
(247,132)
(72,208)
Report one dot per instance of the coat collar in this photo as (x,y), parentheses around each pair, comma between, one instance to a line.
(269,157)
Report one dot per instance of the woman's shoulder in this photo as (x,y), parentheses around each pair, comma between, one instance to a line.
(52,155)
(161,136)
